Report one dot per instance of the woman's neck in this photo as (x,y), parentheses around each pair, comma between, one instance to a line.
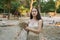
(34,18)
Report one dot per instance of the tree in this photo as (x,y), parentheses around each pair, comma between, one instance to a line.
(48,6)
(58,10)
(14,6)
(31,4)
(8,3)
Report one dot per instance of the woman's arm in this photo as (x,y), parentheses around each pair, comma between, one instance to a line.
(36,30)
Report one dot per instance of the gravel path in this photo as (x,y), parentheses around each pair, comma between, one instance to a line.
(10,32)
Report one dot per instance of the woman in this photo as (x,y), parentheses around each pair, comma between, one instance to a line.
(34,27)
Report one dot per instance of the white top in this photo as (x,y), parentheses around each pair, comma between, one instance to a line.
(34,25)
(31,24)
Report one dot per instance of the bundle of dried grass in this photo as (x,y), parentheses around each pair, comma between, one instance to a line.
(23,23)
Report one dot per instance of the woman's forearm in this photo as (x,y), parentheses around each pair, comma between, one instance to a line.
(34,30)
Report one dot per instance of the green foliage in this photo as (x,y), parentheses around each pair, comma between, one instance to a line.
(35,4)
(51,5)
(48,6)
(14,4)
(58,10)
(8,5)
(43,7)
(27,4)
(1,6)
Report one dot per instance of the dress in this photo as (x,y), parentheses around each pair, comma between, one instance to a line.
(30,35)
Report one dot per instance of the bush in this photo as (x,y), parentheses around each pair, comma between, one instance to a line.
(58,10)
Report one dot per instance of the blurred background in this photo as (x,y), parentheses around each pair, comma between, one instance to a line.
(12,12)
(22,8)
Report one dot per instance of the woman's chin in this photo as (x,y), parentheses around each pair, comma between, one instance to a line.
(34,15)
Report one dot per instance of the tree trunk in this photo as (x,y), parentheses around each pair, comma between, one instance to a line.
(4,7)
(9,14)
(31,4)
(39,6)
(57,3)
(4,12)
(9,6)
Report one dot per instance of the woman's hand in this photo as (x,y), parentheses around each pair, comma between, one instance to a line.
(23,24)
(37,31)
(26,28)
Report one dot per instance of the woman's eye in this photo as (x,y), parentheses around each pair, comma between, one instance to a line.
(33,11)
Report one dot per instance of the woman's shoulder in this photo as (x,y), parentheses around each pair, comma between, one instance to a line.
(40,20)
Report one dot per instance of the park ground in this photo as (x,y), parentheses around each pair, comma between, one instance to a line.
(50,31)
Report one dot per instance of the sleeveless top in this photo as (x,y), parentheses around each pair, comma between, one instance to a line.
(33,25)
(32,35)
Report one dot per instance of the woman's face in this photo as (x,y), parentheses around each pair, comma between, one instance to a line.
(34,12)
